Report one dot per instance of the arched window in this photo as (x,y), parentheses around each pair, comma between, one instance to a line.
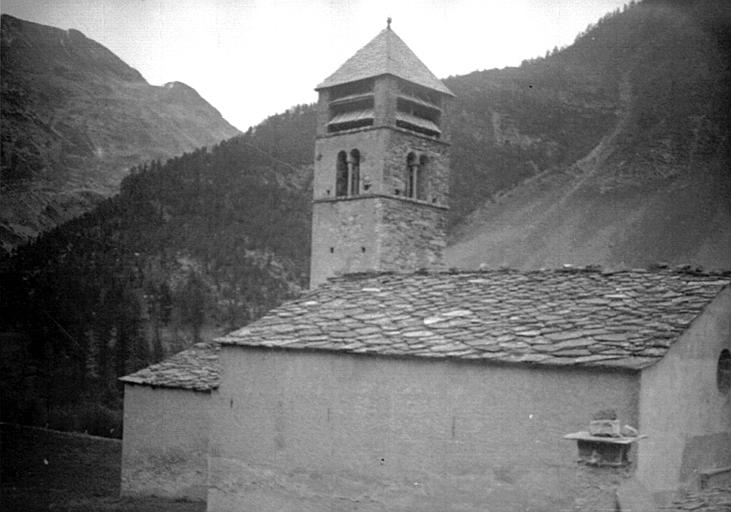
(354,172)
(341,175)
(412,175)
(723,371)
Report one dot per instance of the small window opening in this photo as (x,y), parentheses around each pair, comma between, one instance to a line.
(420,93)
(351,106)
(417,110)
(352,89)
(341,176)
(332,250)
(412,175)
(354,168)
(421,191)
(347,174)
(723,372)
(362,249)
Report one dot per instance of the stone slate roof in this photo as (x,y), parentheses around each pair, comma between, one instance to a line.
(196,368)
(386,54)
(575,317)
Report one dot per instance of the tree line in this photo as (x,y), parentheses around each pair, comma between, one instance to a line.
(190,248)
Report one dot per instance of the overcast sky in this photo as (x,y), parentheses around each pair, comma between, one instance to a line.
(254,58)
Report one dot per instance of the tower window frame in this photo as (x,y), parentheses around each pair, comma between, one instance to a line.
(354,173)
(723,372)
(412,175)
(418,110)
(416,176)
(347,173)
(351,106)
(351,89)
(411,90)
(341,174)
(421,186)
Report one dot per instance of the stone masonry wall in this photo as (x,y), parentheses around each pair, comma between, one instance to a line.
(413,235)
(323,111)
(436,173)
(370,231)
(375,234)
(371,145)
(343,238)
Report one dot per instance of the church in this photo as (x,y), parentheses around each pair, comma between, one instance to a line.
(395,384)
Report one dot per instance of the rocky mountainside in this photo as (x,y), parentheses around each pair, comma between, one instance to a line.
(640,108)
(75,118)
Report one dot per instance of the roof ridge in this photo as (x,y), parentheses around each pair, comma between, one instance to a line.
(568,269)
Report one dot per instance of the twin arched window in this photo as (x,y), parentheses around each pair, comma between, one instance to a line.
(416,182)
(347,175)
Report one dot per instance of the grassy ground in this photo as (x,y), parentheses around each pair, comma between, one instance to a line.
(48,470)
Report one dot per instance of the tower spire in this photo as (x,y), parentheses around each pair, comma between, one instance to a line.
(381,171)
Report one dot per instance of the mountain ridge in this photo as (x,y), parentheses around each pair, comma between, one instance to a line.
(68,49)
(656,186)
(75,119)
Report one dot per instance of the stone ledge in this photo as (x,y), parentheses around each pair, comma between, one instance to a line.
(392,128)
(381,196)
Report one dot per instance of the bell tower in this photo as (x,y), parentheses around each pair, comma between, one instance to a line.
(381,164)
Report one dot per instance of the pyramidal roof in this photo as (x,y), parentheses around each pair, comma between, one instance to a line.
(386,54)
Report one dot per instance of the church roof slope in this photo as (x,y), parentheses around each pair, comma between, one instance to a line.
(196,368)
(386,54)
(575,317)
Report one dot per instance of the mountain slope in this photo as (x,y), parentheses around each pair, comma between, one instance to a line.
(656,186)
(560,220)
(75,118)
(187,250)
